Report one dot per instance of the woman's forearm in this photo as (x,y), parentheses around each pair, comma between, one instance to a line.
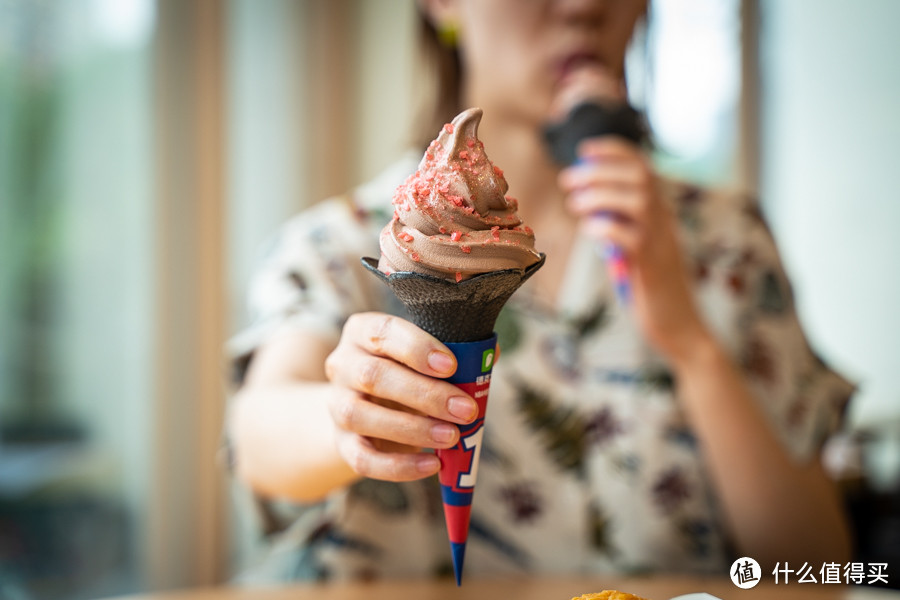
(777,510)
(279,425)
(283,439)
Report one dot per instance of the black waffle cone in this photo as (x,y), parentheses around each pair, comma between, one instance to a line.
(450,311)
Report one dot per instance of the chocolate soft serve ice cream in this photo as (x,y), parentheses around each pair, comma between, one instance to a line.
(452,217)
(455,250)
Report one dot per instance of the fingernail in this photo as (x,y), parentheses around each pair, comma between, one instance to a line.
(462,408)
(428,463)
(443,433)
(578,196)
(440,362)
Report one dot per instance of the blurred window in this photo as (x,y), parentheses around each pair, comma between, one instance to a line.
(76,185)
(686,72)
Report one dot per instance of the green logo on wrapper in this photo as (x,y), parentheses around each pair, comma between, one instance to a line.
(487,360)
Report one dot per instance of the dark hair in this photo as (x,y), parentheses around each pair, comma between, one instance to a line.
(440,88)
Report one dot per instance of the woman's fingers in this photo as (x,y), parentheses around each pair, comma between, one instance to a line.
(398,339)
(387,357)
(627,204)
(388,400)
(367,460)
(614,172)
(612,191)
(626,236)
(384,378)
(608,148)
(354,413)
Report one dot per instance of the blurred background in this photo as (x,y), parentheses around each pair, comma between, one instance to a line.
(148,147)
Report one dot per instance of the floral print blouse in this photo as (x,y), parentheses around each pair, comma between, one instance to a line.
(588,463)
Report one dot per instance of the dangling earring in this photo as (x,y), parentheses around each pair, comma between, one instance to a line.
(448,33)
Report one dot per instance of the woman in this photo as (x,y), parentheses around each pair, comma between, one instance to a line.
(674,434)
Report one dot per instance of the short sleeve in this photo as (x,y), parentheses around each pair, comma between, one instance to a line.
(746,294)
(310,278)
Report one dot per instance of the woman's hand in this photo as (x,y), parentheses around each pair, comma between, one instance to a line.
(614,191)
(387,403)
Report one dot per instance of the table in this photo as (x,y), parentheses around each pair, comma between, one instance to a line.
(525,588)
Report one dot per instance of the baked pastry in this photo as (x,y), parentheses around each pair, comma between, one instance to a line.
(608,595)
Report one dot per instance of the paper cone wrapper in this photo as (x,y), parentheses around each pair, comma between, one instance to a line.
(459,465)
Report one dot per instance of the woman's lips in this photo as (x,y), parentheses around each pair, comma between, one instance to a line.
(575,61)
(584,77)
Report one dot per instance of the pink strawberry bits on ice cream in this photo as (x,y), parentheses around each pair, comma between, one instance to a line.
(452,217)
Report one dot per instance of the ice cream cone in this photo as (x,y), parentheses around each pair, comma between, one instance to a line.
(462,316)
(590,119)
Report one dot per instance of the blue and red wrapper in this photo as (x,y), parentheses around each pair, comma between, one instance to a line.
(618,272)
(459,465)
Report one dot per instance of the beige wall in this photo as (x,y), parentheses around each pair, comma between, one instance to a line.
(830,90)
